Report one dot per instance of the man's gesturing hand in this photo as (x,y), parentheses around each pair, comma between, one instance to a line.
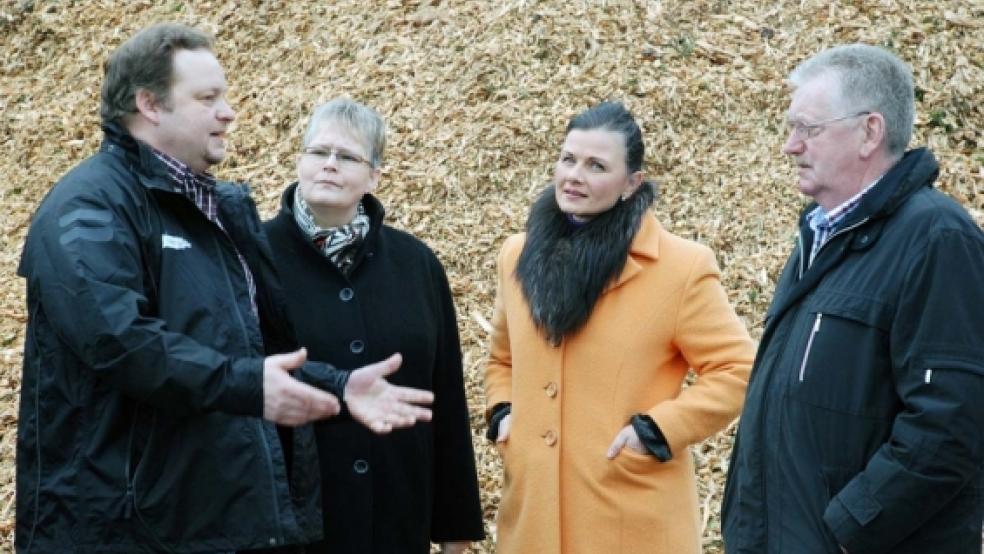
(381,406)
(287,401)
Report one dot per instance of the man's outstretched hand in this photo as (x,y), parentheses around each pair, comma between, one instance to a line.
(380,406)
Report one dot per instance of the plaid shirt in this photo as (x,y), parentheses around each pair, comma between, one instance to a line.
(200,189)
(824,223)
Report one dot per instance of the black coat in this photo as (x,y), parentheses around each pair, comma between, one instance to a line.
(398,492)
(864,414)
(140,426)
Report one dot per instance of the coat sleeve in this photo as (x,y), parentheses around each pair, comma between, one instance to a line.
(936,445)
(457,508)
(717,347)
(86,268)
(498,370)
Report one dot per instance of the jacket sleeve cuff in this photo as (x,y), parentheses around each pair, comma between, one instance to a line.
(652,437)
(244,391)
(497,414)
(849,512)
(325,377)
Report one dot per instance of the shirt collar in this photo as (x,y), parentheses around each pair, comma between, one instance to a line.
(181,174)
(819,218)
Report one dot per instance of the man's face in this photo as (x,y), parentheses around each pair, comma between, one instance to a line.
(193,122)
(830,168)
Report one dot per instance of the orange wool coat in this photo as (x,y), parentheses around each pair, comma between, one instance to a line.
(666,313)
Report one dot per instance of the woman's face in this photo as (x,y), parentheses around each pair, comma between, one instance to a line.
(334,173)
(591,174)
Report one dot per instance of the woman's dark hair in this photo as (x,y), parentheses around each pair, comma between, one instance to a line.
(145,62)
(612,116)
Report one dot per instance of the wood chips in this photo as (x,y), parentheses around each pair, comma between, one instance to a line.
(476,94)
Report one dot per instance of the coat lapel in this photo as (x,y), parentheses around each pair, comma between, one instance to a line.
(644,245)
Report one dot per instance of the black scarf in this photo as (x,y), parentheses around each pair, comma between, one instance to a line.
(563,268)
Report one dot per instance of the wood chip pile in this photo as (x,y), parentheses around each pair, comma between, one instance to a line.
(476,94)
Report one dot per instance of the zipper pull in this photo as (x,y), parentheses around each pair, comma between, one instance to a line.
(809,345)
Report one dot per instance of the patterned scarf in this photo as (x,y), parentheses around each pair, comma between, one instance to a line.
(338,244)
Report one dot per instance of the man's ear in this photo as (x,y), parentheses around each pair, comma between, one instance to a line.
(874,133)
(147,105)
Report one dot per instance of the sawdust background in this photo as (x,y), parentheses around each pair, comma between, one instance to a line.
(476,95)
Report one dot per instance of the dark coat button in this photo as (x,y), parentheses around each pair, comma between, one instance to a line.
(361,467)
(346,294)
(357,346)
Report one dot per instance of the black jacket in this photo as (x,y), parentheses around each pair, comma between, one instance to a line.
(140,427)
(862,423)
(398,492)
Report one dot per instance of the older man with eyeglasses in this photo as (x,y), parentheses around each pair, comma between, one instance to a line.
(863,417)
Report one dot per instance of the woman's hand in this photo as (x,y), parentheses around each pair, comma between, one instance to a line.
(503,435)
(627,437)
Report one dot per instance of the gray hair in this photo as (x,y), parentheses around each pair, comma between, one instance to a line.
(358,118)
(145,61)
(871,79)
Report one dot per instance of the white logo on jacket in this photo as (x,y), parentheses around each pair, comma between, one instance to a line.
(177,243)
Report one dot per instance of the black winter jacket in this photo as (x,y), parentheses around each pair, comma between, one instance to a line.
(863,418)
(398,492)
(140,427)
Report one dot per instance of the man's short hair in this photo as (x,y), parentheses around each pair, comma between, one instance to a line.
(362,120)
(871,79)
(145,61)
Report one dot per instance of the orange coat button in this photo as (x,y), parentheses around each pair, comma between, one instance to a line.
(551,389)
(550,438)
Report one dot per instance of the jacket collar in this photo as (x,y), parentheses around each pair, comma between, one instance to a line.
(917,168)
(139,155)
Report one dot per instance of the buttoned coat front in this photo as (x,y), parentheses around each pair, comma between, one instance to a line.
(667,312)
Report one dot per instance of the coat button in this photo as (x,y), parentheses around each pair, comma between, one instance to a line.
(550,438)
(360,467)
(357,346)
(551,389)
(346,294)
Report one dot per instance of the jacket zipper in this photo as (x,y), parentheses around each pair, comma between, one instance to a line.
(259,421)
(803,259)
(809,345)
(131,501)
(37,419)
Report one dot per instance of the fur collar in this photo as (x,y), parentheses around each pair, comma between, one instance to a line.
(563,269)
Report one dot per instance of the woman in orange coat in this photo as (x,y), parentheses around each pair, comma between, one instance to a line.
(599,315)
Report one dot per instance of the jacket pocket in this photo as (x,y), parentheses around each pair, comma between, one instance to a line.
(844,364)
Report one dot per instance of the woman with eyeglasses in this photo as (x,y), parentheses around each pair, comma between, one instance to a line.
(600,313)
(360,290)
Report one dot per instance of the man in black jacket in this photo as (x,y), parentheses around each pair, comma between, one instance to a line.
(158,354)
(862,423)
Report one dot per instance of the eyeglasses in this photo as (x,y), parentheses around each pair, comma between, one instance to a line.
(805,131)
(342,157)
